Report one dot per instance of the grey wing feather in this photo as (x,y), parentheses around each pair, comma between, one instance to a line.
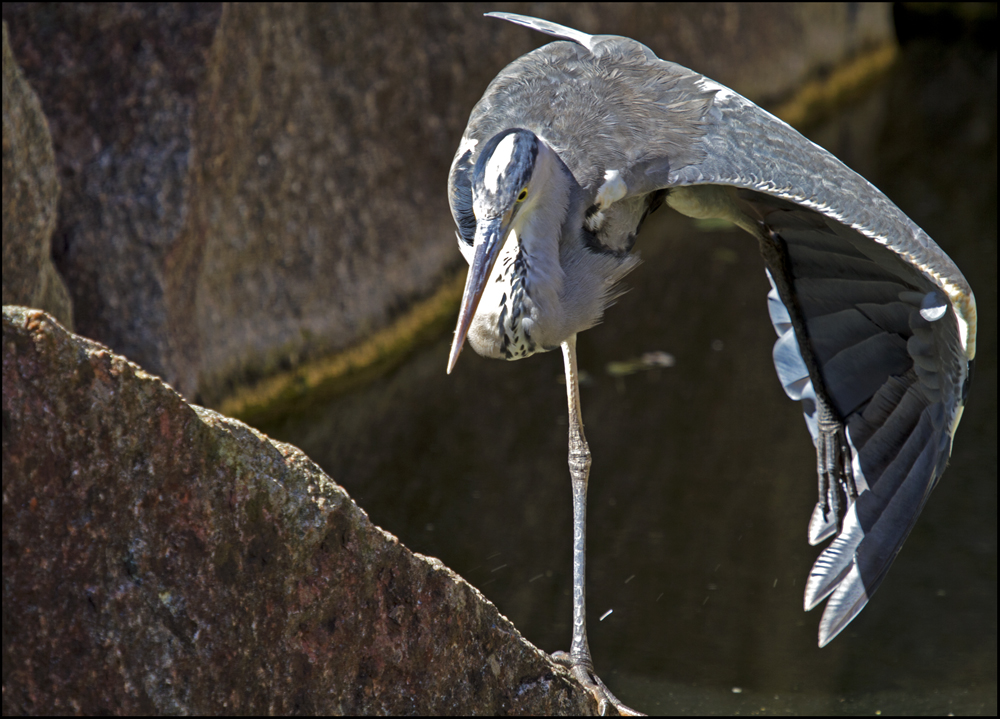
(460,193)
(886,333)
(894,378)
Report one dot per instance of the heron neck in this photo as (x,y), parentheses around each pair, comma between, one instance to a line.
(542,231)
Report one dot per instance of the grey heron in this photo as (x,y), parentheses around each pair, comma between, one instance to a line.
(569,150)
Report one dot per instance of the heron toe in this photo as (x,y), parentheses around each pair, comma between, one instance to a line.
(584,673)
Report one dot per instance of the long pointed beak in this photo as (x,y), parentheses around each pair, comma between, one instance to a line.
(490,237)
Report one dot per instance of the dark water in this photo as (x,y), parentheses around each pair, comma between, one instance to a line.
(703,476)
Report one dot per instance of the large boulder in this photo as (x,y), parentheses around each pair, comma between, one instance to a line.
(161,558)
(30,196)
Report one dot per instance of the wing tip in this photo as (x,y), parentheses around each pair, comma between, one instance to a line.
(820,527)
(847,601)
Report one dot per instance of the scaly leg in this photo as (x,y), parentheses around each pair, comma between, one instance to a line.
(579,660)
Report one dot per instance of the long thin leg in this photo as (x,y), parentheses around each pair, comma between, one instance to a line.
(580,661)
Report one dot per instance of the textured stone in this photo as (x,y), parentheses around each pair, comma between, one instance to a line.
(161,558)
(30,194)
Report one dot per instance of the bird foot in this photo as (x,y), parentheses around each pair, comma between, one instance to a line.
(593,684)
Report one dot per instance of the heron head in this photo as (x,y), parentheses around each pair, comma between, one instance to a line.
(502,175)
(501,188)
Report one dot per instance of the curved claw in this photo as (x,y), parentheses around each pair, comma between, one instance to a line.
(592,683)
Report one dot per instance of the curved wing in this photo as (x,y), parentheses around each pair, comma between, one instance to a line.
(876,325)
(873,348)
(876,331)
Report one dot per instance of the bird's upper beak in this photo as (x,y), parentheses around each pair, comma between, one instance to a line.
(490,237)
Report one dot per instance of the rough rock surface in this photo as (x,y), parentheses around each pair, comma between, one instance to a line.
(249,187)
(30,195)
(161,558)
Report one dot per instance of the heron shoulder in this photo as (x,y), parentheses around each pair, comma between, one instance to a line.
(613,110)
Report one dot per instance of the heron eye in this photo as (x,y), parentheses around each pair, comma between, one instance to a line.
(522,194)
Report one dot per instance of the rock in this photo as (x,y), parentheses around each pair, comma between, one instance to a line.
(161,558)
(30,194)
